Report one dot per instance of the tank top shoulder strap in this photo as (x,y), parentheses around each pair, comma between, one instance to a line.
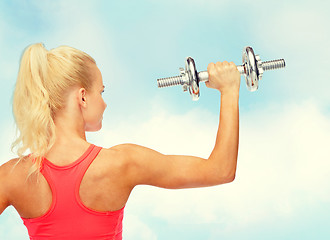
(91,156)
(84,165)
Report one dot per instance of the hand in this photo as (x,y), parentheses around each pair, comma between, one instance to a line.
(223,76)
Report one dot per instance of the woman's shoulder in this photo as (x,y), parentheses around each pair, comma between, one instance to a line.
(13,173)
(127,149)
(118,155)
(113,154)
(15,167)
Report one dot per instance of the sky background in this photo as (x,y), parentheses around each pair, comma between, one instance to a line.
(282,185)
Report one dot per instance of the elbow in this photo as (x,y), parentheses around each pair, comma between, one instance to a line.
(220,179)
(229,173)
(229,178)
(223,173)
(226,178)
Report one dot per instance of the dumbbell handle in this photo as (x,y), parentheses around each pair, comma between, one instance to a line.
(203,76)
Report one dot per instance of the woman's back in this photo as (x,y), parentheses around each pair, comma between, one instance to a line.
(101,188)
(85,193)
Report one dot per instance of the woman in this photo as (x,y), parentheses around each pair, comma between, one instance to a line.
(68,188)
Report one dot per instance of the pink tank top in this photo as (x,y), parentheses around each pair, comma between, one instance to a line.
(68,218)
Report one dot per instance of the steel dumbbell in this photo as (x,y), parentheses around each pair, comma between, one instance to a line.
(252,68)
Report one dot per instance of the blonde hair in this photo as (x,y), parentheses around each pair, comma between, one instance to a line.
(43,79)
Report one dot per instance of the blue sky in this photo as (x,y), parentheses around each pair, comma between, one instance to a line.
(282,188)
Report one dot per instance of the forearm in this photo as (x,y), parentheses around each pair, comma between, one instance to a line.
(223,159)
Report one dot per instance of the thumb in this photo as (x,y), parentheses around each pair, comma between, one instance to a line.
(209,84)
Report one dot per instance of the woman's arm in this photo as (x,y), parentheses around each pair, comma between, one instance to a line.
(146,166)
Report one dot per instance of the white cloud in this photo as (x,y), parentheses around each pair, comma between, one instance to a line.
(299,33)
(134,228)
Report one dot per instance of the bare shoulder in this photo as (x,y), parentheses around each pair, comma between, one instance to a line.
(123,151)
(114,163)
(128,149)
(13,170)
(123,147)
(5,170)
(137,156)
(8,179)
(113,158)
(8,167)
(120,153)
(16,164)
(127,155)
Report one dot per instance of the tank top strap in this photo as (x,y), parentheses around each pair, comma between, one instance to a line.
(84,165)
(91,156)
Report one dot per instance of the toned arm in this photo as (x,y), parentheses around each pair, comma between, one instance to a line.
(146,166)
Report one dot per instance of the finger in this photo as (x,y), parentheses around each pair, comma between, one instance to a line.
(210,66)
(211,69)
(219,64)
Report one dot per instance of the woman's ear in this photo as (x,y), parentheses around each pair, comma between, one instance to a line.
(82,97)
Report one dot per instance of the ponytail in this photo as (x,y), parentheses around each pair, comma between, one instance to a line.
(42,79)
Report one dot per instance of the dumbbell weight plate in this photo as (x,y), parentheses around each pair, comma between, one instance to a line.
(250,69)
(193,77)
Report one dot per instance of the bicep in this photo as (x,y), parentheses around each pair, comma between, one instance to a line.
(150,167)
